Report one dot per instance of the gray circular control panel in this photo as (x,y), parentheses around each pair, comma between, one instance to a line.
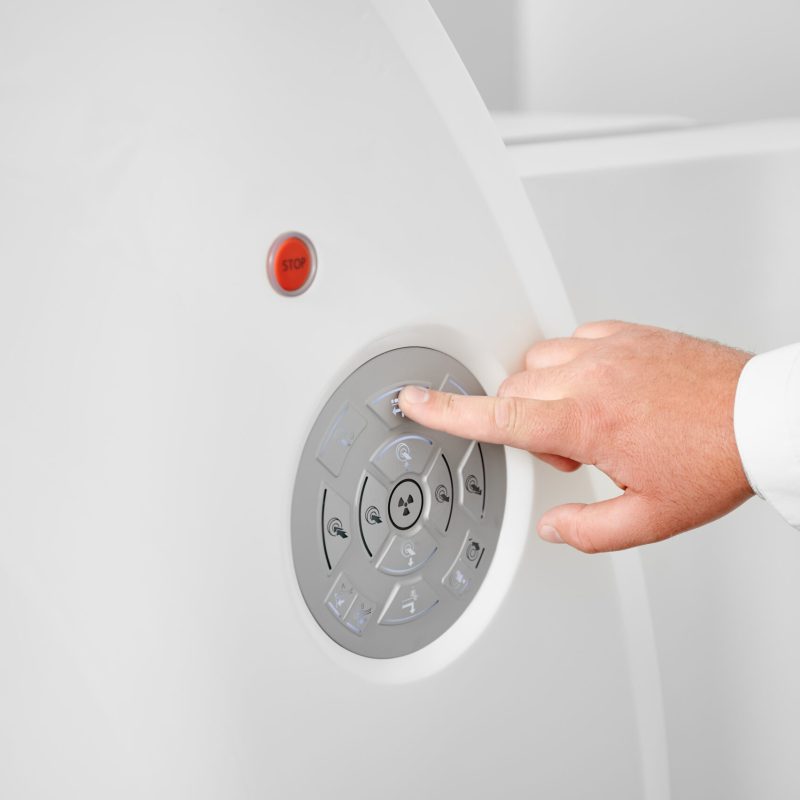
(394,526)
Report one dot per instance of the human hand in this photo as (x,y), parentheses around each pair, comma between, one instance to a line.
(651,408)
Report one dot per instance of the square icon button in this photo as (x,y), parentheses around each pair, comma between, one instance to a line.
(342,435)
(385,403)
(341,597)
(360,615)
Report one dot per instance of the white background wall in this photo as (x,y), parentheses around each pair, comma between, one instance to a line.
(712,60)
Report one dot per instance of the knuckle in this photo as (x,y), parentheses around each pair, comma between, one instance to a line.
(593,425)
(569,425)
(506,413)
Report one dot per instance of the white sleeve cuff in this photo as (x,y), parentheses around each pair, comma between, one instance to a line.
(766,422)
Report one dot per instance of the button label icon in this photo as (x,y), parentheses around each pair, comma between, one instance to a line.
(410,604)
(472,481)
(408,555)
(408,551)
(373,516)
(473,552)
(341,597)
(360,615)
(403,453)
(373,520)
(334,528)
(405,504)
(458,580)
(471,484)
(440,479)
(396,410)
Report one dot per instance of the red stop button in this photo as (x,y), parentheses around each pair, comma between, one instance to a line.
(291,264)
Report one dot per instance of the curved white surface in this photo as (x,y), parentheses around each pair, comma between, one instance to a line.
(159,393)
(697,230)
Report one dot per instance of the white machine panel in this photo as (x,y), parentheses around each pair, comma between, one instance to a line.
(158,394)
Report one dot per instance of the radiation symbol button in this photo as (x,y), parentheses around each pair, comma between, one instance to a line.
(405,504)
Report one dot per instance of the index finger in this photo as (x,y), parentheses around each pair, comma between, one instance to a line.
(545,426)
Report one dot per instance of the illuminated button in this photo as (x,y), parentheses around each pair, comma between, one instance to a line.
(291,264)
(405,556)
(385,403)
(360,614)
(341,597)
(408,602)
(335,522)
(406,454)
(336,445)
(459,579)
(440,483)
(373,515)
(472,479)
(405,504)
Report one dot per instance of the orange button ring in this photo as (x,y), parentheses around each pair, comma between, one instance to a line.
(291,264)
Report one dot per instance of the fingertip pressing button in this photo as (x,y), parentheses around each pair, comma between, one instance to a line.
(386,404)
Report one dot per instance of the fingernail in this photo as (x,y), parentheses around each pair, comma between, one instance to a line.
(415,394)
(550,534)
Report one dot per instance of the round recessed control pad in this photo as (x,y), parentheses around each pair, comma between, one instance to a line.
(394,526)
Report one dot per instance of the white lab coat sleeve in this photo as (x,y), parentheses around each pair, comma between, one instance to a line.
(766,421)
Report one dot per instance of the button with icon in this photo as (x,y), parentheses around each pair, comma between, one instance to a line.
(344,431)
(459,579)
(336,532)
(472,552)
(291,263)
(440,483)
(360,615)
(405,455)
(341,597)
(408,602)
(386,403)
(406,555)
(405,504)
(472,480)
(373,517)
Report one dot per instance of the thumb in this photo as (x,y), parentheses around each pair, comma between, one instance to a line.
(624,521)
